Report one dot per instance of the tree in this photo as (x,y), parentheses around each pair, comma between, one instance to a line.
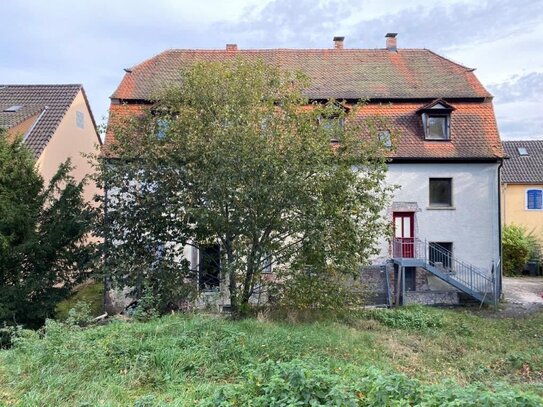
(41,236)
(237,155)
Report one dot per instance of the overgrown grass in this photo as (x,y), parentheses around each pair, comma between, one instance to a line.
(185,360)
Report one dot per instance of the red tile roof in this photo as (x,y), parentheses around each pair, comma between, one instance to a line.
(409,79)
(473,131)
(340,74)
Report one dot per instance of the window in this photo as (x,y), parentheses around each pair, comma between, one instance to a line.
(522,151)
(333,126)
(79,119)
(267,265)
(13,109)
(209,270)
(441,192)
(534,199)
(162,126)
(436,120)
(437,127)
(384,137)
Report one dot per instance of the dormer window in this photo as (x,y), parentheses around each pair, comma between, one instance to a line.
(333,126)
(436,120)
(385,138)
(437,127)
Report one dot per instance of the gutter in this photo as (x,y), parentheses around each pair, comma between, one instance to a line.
(500,248)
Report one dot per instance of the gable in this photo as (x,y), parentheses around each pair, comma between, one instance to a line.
(49,102)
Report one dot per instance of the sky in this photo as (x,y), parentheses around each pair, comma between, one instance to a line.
(90,42)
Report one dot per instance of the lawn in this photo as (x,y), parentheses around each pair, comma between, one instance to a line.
(412,356)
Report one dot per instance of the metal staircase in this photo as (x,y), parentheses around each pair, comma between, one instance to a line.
(437,260)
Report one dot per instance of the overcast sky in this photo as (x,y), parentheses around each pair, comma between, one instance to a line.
(90,42)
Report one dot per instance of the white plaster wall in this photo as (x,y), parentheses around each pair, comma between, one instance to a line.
(472,226)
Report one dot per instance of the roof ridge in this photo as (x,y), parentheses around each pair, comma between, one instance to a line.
(450,60)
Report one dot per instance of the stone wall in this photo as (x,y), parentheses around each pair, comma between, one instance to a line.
(431,297)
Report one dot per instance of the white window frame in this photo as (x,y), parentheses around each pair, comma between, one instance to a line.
(526,199)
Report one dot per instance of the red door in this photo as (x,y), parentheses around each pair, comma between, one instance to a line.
(404,242)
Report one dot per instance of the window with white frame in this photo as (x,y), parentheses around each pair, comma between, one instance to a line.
(534,199)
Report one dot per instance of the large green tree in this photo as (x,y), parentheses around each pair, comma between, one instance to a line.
(237,155)
(42,231)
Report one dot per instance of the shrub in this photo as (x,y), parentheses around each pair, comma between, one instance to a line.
(519,246)
(329,291)
(307,383)
(411,317)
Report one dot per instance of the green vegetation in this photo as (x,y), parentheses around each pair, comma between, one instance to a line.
(42,228)
(231,155)
(519,246)
(91,293)
(180,360)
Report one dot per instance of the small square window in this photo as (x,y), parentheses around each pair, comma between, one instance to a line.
(437,127)
(441,192)
(534,199)
(522,151)
(80,119)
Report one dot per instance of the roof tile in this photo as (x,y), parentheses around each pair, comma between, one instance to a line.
(526,169)
(51,101)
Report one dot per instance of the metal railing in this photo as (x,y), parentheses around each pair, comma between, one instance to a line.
(441,262)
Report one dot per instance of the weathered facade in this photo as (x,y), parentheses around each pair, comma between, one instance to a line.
(445,160)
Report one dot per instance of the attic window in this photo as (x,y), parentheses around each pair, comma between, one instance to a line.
(13,108)
(522,151)
(333,126)
(384,137)
(436,127)
(436,120)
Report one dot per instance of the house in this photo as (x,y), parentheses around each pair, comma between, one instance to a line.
(522,185)
(55,122)
(446,212)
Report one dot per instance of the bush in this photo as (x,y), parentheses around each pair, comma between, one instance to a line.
(519,246)
(411,317)
(327,291)
(308,383)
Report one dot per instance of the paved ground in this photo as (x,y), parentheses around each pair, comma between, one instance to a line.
(523,295)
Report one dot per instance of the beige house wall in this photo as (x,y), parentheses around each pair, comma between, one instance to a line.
(71,141)
(514,208)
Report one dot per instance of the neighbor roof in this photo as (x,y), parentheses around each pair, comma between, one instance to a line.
(523,169)
(50,102)
(334,73)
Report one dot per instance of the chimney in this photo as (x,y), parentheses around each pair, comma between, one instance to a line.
(231,47)
(338,42)
(391,41)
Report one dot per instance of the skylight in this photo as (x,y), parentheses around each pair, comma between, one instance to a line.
(522,151)
(13,108)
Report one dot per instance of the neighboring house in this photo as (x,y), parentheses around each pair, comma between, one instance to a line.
(446,161)
(55,122)
(522,185)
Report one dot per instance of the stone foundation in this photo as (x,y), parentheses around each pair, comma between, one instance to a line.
(431,297)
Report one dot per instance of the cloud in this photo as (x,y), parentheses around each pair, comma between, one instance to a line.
(90,42)
(518,105)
